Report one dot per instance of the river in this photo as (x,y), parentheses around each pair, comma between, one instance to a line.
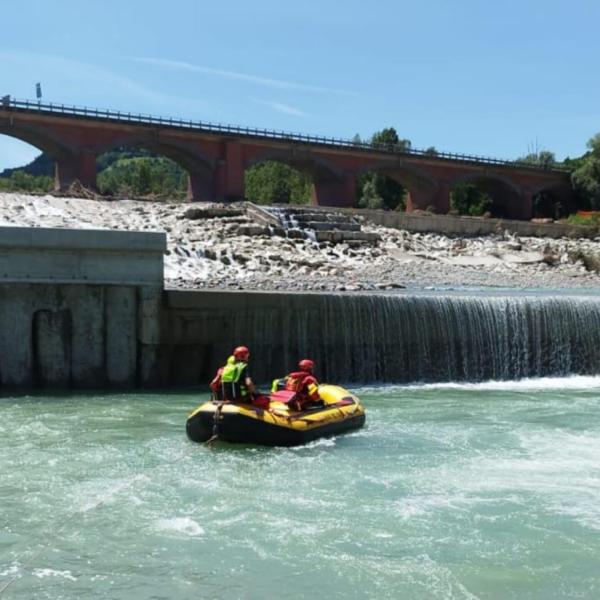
(450,491)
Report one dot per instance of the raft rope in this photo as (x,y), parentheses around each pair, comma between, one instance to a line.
(51,535)
(216,419)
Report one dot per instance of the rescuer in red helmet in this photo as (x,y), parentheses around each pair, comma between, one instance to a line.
(304,383)
(234,383)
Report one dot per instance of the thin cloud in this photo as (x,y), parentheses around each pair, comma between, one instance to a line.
(286,109)
(276,83)
(93,76)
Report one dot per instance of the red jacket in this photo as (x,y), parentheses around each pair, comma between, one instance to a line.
(216,382)
(304,384)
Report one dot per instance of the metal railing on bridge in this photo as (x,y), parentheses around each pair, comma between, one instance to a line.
(9,103)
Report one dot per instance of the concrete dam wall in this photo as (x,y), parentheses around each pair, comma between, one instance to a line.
(377,338)
(88,310)
(73,306)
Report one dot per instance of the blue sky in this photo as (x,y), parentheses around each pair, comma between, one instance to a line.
(480,77)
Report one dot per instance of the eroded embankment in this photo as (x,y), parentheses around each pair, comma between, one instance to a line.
(226,250)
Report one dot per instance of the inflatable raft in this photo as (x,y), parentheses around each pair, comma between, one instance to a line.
(280,425)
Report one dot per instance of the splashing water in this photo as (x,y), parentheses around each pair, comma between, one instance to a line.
(450,491)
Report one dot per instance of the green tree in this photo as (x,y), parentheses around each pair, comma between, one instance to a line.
(370,197)
(143,176)
(273,182)
(466,199)
(20,181)
(586,176)
(375,190)
(389,137)
(539,158)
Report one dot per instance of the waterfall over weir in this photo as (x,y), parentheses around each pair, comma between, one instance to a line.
(403,338)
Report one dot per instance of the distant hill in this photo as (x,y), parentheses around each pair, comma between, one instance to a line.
(42,165)
(140,173)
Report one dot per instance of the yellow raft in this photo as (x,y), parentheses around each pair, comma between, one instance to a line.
(279,425)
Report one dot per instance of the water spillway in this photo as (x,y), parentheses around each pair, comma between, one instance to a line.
(471,338)
(92,336)
(88,309)
(404,338)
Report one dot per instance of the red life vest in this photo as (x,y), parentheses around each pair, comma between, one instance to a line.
(299,382)
(215,384)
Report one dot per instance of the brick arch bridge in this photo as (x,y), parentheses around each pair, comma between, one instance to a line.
(216,157)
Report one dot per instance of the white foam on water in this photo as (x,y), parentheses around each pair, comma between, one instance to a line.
(109,491)
(37,428)
(421,574)
(557,471)
(328,442)
(42,573)
(180,525)
(565,469)
(574,382)
(12,570)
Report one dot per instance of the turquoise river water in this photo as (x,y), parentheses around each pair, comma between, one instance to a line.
(467,491)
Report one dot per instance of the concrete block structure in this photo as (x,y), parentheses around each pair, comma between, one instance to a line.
(72,305)
(96,316)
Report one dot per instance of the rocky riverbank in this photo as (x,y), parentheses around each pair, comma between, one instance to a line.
(221,246)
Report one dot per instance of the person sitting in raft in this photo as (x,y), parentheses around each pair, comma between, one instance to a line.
(303,383)
(234,383)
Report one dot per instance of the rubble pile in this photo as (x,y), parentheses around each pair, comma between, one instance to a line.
(228,247)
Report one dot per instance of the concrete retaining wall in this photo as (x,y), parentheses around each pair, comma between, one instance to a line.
(75,305)
(43,255)
(61,336)
(469,226)
(117,327)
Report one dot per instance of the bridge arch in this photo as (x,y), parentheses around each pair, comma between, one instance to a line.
(185,155)
(44,140)
(313,165)
(506,200)
(422,189)
(198,165)
(552,200)
(328,184)
(61,152)
(24,166)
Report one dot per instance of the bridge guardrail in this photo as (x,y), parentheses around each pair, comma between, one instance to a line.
(9,103)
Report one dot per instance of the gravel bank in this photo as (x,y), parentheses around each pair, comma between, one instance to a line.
(208,252)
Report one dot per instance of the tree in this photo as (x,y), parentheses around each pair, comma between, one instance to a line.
(586,178)
(539,158)
(370,197)
(466,199)
(389,137)
(20,181)
(274,182)
(594,145)
(375,190)
(143,176)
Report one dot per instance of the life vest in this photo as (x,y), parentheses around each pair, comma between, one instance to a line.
(302,383)
(231,385)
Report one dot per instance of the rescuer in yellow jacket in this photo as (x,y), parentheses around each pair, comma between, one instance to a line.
(233,382)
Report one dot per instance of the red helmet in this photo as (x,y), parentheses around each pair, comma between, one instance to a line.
(241,353)
(306,365)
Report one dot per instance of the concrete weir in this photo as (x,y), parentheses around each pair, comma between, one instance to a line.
(74,305)
(88,309)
